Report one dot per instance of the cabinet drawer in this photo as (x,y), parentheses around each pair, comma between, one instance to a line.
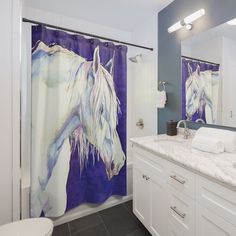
(208,223)
(174,230)
(217,198)
(150,157)
(181,212)
(182,180)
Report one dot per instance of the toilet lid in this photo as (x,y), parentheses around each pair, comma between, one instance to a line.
(29,227)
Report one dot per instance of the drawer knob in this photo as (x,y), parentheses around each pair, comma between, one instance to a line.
(181,181)
(174,208)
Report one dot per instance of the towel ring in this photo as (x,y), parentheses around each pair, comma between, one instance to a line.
(163,83)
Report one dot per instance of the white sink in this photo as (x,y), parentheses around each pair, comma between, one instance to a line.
(173,144)
(166,144)
(170,141)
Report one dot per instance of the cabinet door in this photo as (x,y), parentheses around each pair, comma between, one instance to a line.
(141,196)
(149,193)
(158,222)
(209,223)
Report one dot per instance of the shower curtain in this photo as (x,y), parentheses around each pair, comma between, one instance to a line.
(200,91)
(78,88)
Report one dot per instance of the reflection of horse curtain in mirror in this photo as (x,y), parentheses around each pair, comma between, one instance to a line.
(200,91)
(78,121)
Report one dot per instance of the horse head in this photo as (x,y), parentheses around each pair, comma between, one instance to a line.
(198,92)
(98,111)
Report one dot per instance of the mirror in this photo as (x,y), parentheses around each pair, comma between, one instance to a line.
(209,76)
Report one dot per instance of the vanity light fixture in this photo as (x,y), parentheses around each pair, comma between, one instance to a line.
(232,22)
(187,21)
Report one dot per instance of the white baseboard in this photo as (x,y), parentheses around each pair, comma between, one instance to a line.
(87,209)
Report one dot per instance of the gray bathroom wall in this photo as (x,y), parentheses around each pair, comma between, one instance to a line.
(169,46)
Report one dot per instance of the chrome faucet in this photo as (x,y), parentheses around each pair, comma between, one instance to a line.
(200,120)
(186,130)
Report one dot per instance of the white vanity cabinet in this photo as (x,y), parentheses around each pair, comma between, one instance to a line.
(173,201)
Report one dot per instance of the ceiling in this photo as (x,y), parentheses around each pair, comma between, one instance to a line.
(120,14)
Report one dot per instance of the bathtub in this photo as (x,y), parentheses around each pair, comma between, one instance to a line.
(82,210)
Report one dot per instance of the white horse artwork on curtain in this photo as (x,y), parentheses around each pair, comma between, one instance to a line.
(75,98)
(200,95)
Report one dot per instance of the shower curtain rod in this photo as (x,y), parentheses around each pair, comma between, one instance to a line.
(196,59)
(86,34)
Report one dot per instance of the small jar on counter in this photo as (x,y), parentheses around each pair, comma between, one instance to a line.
(171,129)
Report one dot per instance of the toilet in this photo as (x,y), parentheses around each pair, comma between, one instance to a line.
(28,227)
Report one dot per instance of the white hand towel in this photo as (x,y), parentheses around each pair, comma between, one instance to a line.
(208,144)
(227,137)
(161,99)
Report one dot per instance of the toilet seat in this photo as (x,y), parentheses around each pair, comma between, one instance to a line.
(28,227)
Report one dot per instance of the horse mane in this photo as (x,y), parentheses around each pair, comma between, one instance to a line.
(104,105)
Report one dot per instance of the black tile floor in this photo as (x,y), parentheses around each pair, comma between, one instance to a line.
(115,221)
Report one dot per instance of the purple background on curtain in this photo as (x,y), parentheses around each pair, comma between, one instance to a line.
(93,186)
(185,75)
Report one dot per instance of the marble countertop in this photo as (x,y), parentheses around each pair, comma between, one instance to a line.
(220,167)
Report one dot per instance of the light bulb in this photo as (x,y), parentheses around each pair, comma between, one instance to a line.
(187,22)
(232,22)
(175,27)
(191,18)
